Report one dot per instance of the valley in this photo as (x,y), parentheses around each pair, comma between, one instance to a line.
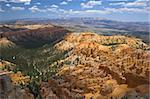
(68,59)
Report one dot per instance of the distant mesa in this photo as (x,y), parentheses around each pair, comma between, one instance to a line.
(5,28)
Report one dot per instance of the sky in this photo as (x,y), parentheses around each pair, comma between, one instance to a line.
(120,10)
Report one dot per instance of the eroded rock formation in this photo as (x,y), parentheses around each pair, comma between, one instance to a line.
(99,67)
(104,66)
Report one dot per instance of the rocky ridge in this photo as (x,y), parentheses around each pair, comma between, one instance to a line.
(10,83)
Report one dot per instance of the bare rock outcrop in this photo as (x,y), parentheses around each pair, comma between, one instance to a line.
(101,66)
(10,91)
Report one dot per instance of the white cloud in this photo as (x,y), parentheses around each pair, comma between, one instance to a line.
(26,2)
(8,5)
(117,3)
(56,10)
(108,11)
(116,0)
(54,6)
(52,9)
(38,3)
(20,1)
(90,4)
(63,3)
(83,12)
(3,0)
(142,0)
(121,10)
(97,11)
(137,3)
(17,8)
(36,9)
(69,0)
